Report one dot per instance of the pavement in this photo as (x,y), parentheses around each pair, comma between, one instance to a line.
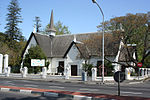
(74,95)
(76,80)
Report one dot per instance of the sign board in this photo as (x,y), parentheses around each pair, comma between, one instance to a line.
(119,76)
(37,62)
(139,64)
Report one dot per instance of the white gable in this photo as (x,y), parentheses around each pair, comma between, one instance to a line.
(32,42)
(72,54)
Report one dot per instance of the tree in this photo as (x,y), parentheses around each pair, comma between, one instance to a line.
(87,68)
(34,52)
(133,29)
(13,52)
(37,23)
(13,18)
(60,28)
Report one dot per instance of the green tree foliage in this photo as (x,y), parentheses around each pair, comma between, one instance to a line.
(13,19)
(34,52)
(60,28)
(133,29)
(109,68)
(37,23)
(13,52)
(87,68)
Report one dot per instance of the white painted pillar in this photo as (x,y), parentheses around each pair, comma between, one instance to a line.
(67,72)
(8,70)
(94,74)
(44,72)
(148,72)
(1,63)
(146,75)
(142,72)
(5,62)
(25,72)
(127,73)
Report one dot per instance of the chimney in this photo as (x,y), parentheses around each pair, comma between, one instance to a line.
(51,31)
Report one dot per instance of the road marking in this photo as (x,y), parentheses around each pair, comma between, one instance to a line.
(56,87)
(28,85)
(86,89)
(131,92)
(83,89)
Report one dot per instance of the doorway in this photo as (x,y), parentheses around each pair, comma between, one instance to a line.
(73,70)
(61,67)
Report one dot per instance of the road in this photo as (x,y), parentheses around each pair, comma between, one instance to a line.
(21,96)
(141,90)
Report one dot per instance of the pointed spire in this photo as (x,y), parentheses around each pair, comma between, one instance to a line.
(51,27)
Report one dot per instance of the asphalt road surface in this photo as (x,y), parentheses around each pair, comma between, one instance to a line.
(141,89)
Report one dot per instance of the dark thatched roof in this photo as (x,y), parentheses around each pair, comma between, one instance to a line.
(91,47)
(126,53)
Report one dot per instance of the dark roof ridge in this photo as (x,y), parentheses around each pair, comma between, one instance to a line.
(76,34)
(70,34)
(41,34)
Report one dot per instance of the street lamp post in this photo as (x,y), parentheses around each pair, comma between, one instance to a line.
(94,1)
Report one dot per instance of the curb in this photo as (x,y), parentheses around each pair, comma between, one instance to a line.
(68,94)
(49,94)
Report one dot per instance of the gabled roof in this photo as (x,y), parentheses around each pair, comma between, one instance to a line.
(126,53)
(59,45)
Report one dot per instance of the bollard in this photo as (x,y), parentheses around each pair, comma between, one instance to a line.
(148,72)
(25,72)
(127,74)
(94,74)
(1,62)
(8,70)
(44,72)
(142,70)
(67,73)
(5,62)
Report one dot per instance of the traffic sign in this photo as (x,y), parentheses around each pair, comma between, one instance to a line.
(119,76)
(139,64)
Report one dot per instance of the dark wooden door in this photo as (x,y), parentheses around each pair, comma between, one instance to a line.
(61,67)
(73,70)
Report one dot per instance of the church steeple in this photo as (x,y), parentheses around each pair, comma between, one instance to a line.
(51,29)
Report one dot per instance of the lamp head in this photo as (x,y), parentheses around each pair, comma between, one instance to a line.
(94,1)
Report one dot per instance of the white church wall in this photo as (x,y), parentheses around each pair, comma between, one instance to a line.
(55,63)
(31,43)
(72,59)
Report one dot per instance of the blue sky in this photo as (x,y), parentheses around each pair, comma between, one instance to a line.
(80,16)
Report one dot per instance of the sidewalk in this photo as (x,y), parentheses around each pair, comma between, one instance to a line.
(62,79)
(73,95)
